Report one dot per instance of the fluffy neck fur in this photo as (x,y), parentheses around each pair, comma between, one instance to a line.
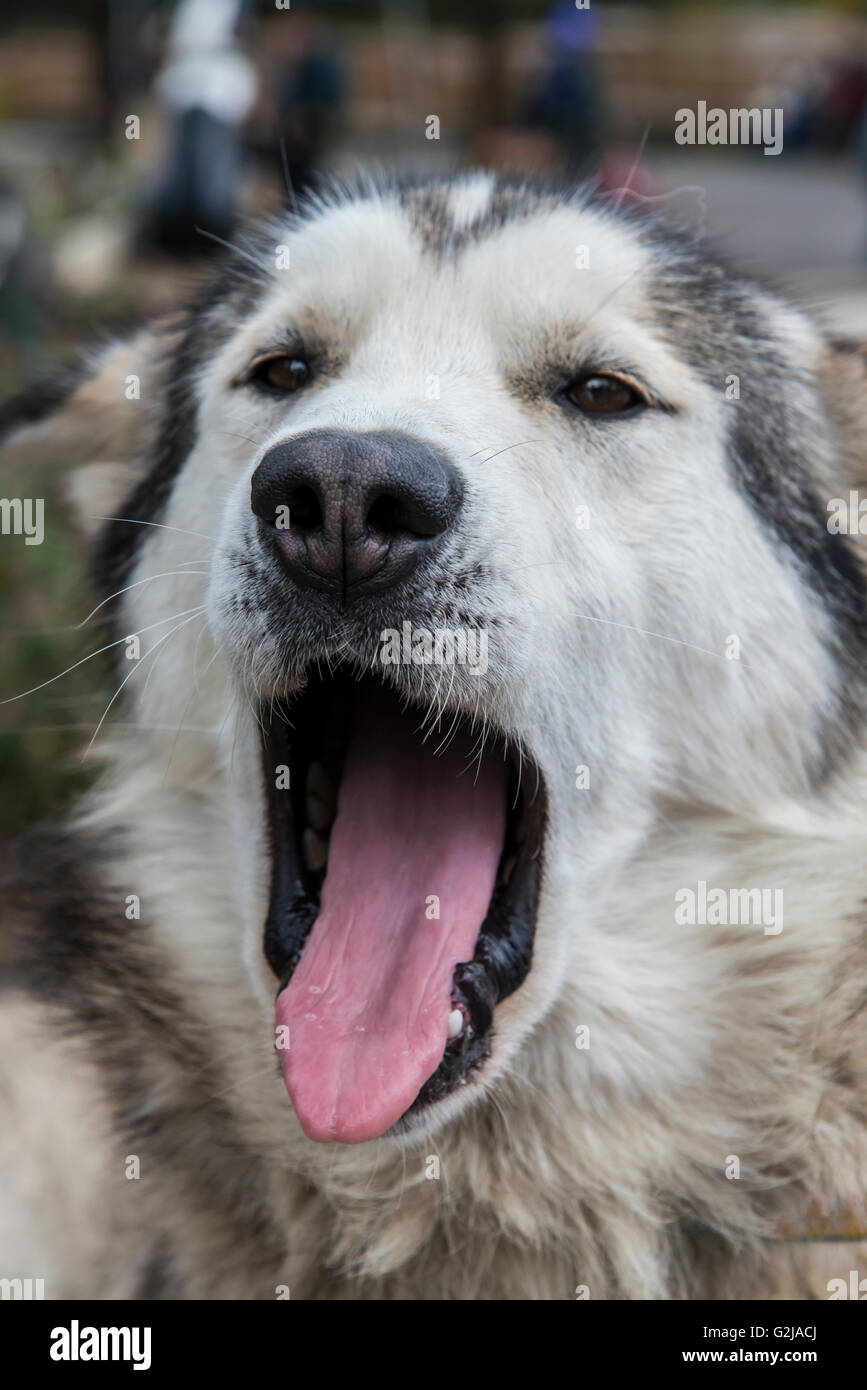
(602,1168)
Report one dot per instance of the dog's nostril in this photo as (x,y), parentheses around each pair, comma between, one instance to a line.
(305,510)
(419,514)
(384,515)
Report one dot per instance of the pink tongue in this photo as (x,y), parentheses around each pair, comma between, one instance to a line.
(368,1005)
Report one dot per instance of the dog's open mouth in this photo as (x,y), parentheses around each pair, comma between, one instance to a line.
(406,860)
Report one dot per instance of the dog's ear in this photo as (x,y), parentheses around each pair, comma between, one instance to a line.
(100,415)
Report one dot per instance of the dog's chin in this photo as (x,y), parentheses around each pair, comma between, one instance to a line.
(406,850)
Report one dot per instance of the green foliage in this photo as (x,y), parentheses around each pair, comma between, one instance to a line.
(43,596)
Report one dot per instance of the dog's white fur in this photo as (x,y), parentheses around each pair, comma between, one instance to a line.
(604,1166)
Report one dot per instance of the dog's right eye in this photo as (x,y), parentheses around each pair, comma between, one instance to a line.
(282,374)
(604,393)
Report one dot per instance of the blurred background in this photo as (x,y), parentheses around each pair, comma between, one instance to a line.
(134,136)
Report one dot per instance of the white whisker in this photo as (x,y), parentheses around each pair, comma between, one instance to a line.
(134,521)
(164,575)
(136,667)
(32,691)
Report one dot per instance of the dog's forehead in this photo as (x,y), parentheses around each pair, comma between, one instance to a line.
(506,260)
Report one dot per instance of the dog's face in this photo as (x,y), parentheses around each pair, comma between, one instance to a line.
(512,518)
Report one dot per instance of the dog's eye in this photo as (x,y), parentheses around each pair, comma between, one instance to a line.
(280,373)
(598,394)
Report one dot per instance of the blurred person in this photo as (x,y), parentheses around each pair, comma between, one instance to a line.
(207,86)
(567,97)
(843,103)
(308,96)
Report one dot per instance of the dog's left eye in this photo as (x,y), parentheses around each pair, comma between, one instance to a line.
(280,373)
(600,394)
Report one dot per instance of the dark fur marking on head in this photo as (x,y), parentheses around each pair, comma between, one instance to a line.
(210,320)
(511,199)
(718,330)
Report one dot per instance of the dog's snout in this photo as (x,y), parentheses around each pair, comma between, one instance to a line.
(355,512)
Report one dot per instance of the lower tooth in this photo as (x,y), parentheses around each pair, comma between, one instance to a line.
(456,1023)
(319,815)
(507,870)
(320,784)
(315,850)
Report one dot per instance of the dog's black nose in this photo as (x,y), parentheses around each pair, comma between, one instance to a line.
(355,512)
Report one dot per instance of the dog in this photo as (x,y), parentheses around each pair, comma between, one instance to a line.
(472,904)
